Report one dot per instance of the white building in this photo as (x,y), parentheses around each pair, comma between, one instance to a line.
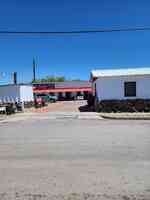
(121,84)
(16,93)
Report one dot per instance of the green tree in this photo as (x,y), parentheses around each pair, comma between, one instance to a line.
(49,79)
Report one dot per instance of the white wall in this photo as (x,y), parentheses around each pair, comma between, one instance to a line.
(113,87)
(26,93)
(9,93)
(13,93)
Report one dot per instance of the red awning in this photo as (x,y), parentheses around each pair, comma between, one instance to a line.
(35,90)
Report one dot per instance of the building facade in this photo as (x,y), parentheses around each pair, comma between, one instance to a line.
(16,93)
(121,85)
(64,90)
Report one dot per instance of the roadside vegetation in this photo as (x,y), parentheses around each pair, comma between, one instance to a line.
(49,79)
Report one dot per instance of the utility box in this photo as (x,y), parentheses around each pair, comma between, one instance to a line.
(16,93)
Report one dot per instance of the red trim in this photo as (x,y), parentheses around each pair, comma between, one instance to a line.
(88,89)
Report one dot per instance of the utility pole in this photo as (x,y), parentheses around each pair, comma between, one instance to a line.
(15,78)
(34,70)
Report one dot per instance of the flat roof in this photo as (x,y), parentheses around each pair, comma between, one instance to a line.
(120,72)
(12,85)
(65,84)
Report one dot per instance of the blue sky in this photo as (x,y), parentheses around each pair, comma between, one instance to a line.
(72,56)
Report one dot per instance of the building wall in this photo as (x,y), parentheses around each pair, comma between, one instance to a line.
(12,93)
(26,93)
(108,88)
(72,84)
(67,90)
(9,93)
(66,84)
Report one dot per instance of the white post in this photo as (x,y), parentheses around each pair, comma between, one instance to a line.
(22,105)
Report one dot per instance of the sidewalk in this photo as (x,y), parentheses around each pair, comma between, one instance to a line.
(73,115)
(2,117)
(126,116)
(51,116)
(15,117)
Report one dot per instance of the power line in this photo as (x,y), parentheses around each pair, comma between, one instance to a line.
(73,32)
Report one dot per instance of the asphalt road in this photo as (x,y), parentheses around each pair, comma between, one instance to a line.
(75,159)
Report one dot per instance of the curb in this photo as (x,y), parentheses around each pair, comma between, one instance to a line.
(125,117)
(59,116)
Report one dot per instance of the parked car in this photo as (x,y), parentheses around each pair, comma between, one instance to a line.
(47,97)
(2,109)
(53,98)
(39,102)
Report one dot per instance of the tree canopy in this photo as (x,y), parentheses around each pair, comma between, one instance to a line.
(49,79)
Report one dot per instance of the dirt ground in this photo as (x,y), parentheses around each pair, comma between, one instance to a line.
(65,106)
(75,160)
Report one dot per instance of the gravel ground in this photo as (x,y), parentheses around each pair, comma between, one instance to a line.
(62,106)
(74,160)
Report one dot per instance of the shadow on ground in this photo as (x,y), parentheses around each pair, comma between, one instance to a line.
(86,108)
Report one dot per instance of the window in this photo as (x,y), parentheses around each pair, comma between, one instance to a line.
(130,89)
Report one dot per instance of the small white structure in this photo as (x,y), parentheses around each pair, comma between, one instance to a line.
(121,84)
(16,93)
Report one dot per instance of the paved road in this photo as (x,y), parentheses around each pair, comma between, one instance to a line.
(75,159)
